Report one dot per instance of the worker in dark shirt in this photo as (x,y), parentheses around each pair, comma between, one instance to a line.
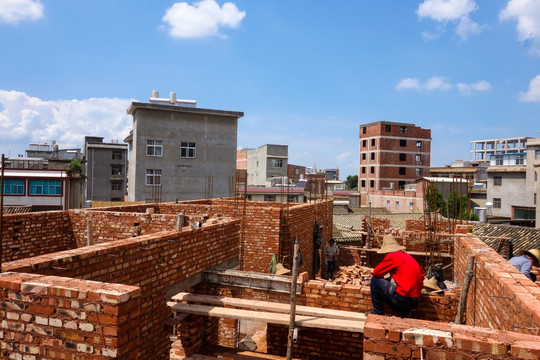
(404,286)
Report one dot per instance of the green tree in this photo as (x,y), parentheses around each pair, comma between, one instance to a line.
(352,182)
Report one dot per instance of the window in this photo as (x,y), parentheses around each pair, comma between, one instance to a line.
(497,180)
(293,198)
(411,206)
(154,147)
(401,171)
(117,154)
(418,144)
(277,163)
(116,170)
(363,169)
(499,160)
(372,170)
(519,160)
(387,203)
(418,172)
(296,171)
(372,142)
(403,143)
(403,129)
(535,176)
(363,183)
(153,177)
(187,149)
(388,127)
(401,185)
(537,154)
(397,204)
(496,203)
(13,187)
(418,157)
(372,183)
(402,157)
(372,156)
(364,130)
(364,143)
(45,187)
(269,197)
(534,199)
(115,186)
(363,156)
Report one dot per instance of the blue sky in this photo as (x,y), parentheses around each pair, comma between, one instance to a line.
(305,73)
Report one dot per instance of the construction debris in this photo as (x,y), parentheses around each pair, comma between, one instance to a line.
(354,275)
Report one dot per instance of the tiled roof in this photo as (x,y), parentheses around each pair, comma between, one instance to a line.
(522,237)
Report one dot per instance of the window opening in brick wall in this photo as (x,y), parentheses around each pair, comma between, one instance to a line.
(403,143)
(402,157)
(388,128)
(402,171)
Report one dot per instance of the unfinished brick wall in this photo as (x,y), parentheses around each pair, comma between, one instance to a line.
(316,344)
(396,338)
(48,317)
(110,226)
(33,234)
(496,285)
(378,224)
(152,262)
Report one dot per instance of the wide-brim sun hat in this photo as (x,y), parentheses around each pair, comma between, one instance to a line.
(431,283)
(389,245)
(535,253)
(281,270)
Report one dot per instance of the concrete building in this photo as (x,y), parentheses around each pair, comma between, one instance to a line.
(178,151)
(481,150)
(267,165)
(105,169)
(41,189)
(392,155)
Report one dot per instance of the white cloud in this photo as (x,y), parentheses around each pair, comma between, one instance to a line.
(442,83)
(527,15)
(25,119)
(437,83)
(409,83)
(444,10)
(15,11)
(467,89)
(450,10)
(201,19)
(533,95)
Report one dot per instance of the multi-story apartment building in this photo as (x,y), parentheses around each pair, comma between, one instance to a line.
(105,169)
(180,152)
(267,164)
(512,187)
(392,155)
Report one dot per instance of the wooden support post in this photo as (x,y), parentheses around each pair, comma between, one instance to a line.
(89,236)
(469,273)
(293,299)
(180,221)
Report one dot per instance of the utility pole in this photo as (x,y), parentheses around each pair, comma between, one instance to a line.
(292,328)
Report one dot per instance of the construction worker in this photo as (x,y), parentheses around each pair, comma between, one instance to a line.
(525,262)
(404,286)
(331,252)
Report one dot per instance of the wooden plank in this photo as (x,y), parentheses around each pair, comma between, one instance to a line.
(270,317)
(268,306)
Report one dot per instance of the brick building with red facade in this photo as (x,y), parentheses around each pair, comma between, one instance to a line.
(392,155)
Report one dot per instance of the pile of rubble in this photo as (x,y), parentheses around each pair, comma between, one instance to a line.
(354,275)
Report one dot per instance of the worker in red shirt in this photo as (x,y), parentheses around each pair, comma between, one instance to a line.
(402,290)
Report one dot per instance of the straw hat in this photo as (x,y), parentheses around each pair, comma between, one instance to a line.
(431,283)
(389,245)
(280,270)
(535,253)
